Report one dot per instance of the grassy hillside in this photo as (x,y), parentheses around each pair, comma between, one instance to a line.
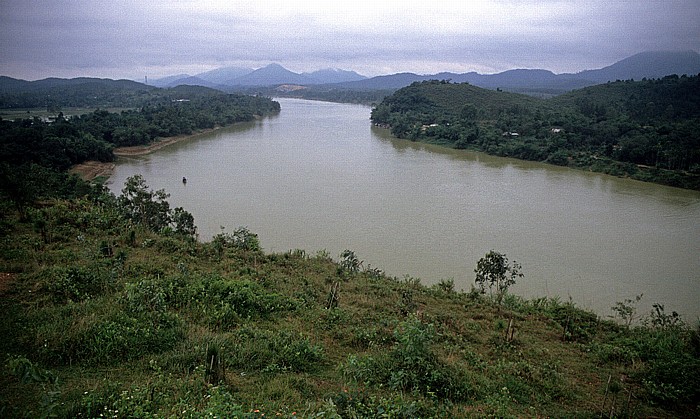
(645,130)
(111,308)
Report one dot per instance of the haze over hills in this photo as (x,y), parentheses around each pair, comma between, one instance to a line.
(270,75)
(532,81)
(652,64)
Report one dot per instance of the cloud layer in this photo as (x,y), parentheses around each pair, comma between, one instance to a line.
(131,39)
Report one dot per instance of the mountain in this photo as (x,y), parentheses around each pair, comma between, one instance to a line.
(192,81)
(333,75)
(8,84)
(269,75)
(222,75)
(168,81)
(89,92)
(273,74)
(51,84)
(650,65)
(392,81)
(647,64)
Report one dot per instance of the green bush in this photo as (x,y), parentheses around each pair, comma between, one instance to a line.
(256,350)
(410,366)
(75,283)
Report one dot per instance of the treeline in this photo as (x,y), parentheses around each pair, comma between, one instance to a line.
(645,129)
(33,148)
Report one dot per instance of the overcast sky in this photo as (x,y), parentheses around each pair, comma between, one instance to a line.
(155,38)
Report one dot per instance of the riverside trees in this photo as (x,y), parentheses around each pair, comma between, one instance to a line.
(645,129)
(495,272)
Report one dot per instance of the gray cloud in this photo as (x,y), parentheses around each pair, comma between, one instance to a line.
(129,39)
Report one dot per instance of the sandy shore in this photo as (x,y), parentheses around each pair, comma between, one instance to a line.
(89,170)
(140,150)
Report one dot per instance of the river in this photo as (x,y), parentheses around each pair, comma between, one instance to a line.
(318,176)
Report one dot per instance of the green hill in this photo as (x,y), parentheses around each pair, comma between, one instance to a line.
(111,308)
(645,130)
(85,92)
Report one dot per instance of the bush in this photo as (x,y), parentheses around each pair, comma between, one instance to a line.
(256,350)
(410,366)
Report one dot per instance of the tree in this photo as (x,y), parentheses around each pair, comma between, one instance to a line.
(494,271)
(143,206)
(184,222)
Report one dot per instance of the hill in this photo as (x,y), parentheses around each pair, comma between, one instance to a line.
(272,74)
(639,129)
(333,75)
(220,76)
(82,92)
(544,82)
(112,308)
(650,65)
(535,82)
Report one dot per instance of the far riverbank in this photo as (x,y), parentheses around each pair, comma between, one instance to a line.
(92,169)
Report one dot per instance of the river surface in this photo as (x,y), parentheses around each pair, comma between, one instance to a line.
(318,176)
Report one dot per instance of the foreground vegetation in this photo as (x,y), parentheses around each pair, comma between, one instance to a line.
(112,308)
(645,130)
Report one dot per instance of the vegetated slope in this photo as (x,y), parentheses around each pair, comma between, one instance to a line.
(645,129)
(55,93)
(114,309)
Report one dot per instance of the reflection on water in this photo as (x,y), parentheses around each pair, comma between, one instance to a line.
(319,176)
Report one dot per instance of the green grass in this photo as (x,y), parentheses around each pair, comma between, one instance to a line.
(162,325)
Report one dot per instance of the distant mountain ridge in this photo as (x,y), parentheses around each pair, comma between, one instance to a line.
(653,64)
(270,75)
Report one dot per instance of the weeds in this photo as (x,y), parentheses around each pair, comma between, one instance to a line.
(110,317)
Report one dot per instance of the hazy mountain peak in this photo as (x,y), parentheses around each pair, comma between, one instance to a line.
(334,75)
(648,64)
(223,74)
(269,75)
(168,80)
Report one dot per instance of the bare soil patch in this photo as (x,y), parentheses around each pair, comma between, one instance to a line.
(140,150)
(89,170)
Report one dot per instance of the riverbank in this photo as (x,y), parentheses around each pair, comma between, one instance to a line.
(92,169)
(141,150)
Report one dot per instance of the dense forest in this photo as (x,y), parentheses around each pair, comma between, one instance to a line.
(35,154)
(645,129)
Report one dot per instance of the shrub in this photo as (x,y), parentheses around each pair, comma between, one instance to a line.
(75,283)
(411,366)
(579,325)
(273,351)
(494,271)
